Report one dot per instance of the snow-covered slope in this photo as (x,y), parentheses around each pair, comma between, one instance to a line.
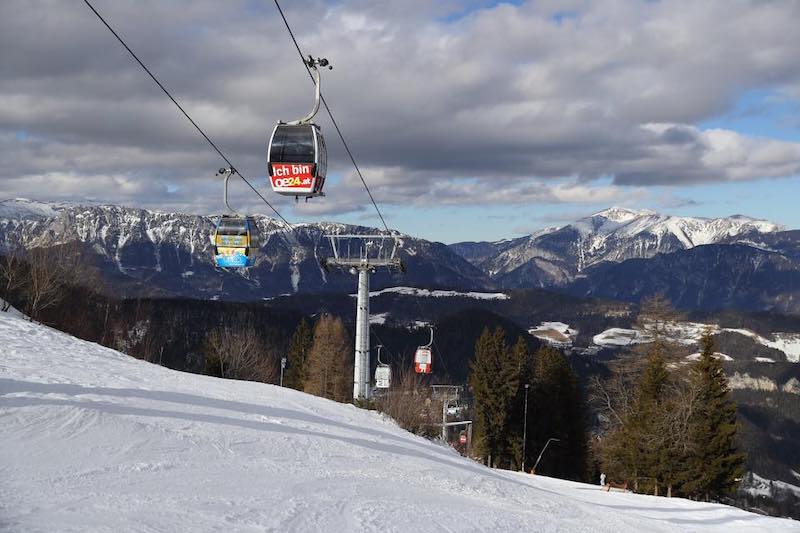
(93,440)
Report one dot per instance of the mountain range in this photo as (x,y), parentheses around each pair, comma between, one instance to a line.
(557,256)
(143,252)
(617,253)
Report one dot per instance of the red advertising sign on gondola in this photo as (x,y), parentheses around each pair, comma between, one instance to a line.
(292,177)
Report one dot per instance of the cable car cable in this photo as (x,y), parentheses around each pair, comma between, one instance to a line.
(182,110)
(444,363)
(333,120)
(385,347)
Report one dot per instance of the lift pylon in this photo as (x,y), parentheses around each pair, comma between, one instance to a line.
(362,255)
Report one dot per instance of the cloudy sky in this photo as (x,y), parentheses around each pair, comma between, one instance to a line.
(470,119)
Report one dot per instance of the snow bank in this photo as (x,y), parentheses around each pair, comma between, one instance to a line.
(717,355)
(620,337)
(554,333)
(413,291)
(93,440)
(12,311)
(379,318)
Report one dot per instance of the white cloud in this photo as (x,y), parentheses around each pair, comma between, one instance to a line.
(442,102)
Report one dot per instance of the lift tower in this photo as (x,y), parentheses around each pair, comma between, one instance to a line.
(362,254)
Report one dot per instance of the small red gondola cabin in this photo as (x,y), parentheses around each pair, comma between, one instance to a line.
(423,360)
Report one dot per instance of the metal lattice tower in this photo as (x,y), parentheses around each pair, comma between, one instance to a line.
(362,255)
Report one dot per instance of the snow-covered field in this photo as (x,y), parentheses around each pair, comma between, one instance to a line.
(92,440)
(554,333)
(413,291)
(689,333)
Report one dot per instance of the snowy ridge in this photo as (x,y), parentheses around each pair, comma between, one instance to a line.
(96,441)
(161,247)
(759,486)
(555,256)
(22,208)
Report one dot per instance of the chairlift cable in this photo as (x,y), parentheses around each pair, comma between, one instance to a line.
(385,347)
(189,118)
(333,120)
(444,363)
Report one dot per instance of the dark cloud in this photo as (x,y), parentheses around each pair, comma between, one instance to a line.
(444,103)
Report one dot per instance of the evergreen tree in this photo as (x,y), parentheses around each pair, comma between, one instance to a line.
(494,378)
(715,464)
(299,346)
(522,357)
(634,449)
(558,412)
(329,369)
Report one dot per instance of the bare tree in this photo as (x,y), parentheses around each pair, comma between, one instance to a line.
(237,352)
(11,278)
(657,317)
(411,405)
(329,370)
(50,270)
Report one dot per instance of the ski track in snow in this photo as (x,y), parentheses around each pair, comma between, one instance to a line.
(93,440)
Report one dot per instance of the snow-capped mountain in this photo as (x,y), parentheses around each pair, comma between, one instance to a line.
(556,256)
(143,252)
(147,253)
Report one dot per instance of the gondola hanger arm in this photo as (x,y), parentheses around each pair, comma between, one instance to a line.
(312,64)
(227,172)
(431,341)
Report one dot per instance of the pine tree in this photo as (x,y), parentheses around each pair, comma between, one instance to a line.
(522,358)
(299,347)
(715,464)
(329,370)
(634,449)
(494,379)
(558,412)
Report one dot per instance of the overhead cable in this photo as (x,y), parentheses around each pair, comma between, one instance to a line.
(189,118)
(333,120)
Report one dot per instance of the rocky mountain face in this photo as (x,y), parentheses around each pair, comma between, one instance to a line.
(142,252)
(620,254)
(554,257)
(707,277)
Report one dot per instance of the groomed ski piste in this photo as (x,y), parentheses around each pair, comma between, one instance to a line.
(94,440)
